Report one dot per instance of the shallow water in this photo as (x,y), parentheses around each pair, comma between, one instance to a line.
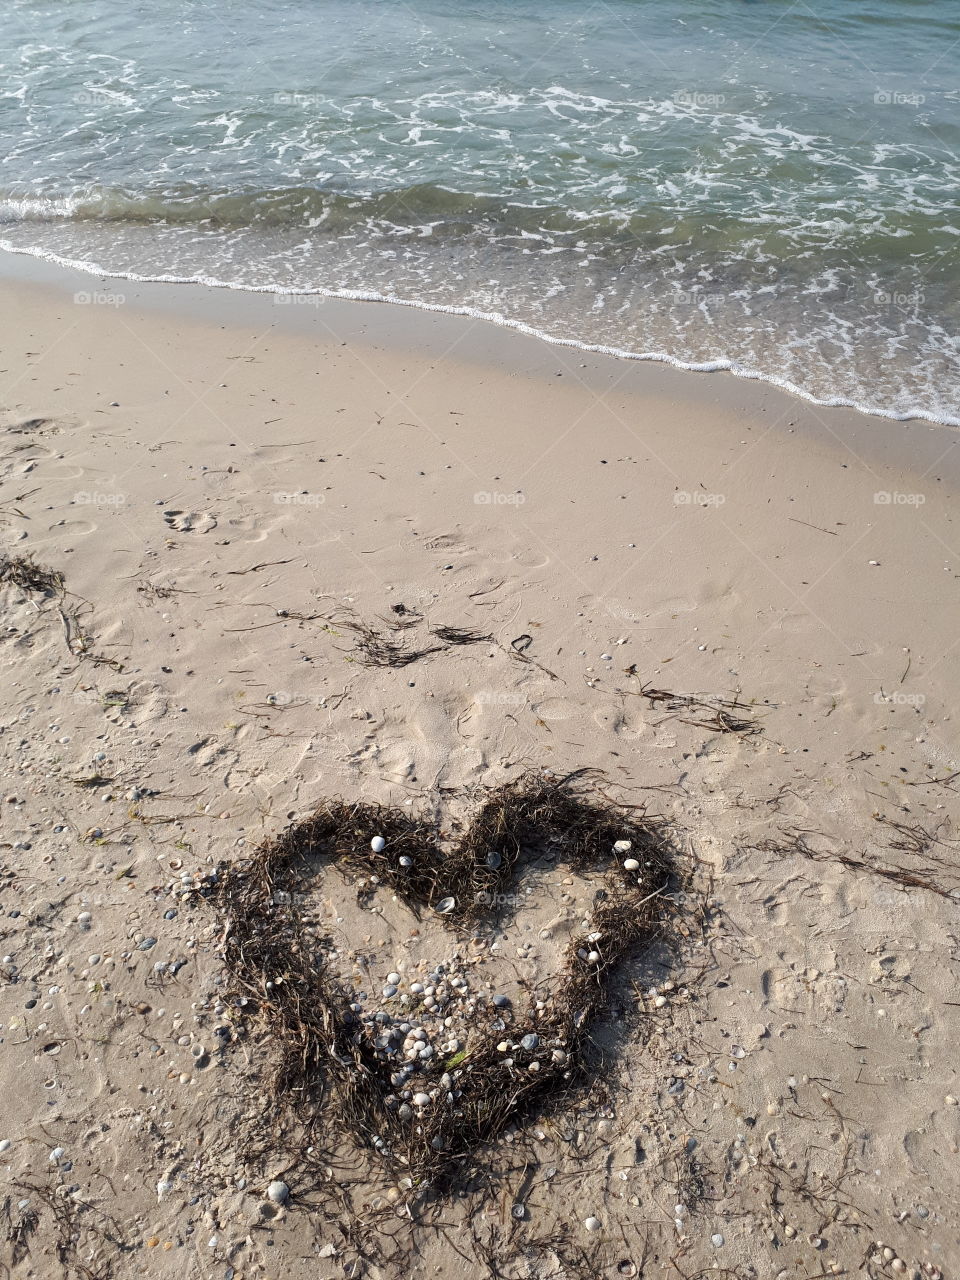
(717,183)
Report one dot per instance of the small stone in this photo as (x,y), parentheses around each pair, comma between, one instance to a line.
(378,844)
(5,1145)
(592,1224)
(393,979)
(950,1100)
(631,864)
(389,991)
(278,1192)
(421,1099)
(530,1041)
(623,846)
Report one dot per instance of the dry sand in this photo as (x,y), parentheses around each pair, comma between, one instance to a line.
(221,480)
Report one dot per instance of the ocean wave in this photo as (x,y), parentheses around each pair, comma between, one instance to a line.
(722,364)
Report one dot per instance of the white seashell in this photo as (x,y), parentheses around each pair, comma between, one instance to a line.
(631,864)
(416,988)
(623,846)
(592,1224)
(445,906)
(593,957)
(278,1192)
(421,1099)
(406,862)
(378,844)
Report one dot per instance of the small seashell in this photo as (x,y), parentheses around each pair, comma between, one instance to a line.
(623,846)
(393,979)
(631,864)
(406,862)
(530,1041)
(278,1192)
(378,844)
(716,1240)
(518,1211)
(445,906)
(421,1099)
(592,1224)
(389,991)
(593,957)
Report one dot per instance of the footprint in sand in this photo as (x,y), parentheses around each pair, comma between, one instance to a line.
(190,521)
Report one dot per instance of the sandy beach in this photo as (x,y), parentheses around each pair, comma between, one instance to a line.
(230,487)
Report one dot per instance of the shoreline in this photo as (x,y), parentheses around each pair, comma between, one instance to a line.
(235,499)
(294,298)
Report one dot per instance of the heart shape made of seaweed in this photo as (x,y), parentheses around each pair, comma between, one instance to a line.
(426,1115)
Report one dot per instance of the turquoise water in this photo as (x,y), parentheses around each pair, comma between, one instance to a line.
(720,183)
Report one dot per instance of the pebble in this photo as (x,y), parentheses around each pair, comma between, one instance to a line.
(623,846)
(631,864)
(278,1192)
(378,844)
(421,1099)
(592,1224)
(393,979)
(6,1144)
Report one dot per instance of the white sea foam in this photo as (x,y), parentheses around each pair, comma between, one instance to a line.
(368,295)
